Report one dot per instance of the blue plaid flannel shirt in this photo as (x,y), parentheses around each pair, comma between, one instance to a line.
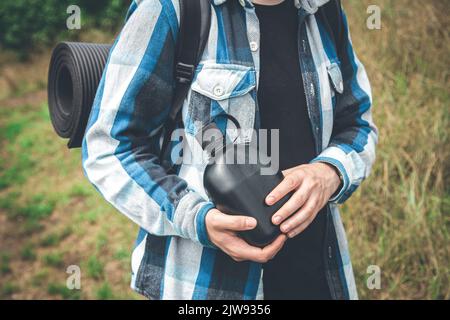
(173,258)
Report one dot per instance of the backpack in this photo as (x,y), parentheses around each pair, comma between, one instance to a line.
(76,69)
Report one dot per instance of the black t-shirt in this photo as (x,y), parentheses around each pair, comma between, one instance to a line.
(297,272)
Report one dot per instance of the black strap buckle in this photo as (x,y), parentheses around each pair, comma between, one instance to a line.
(184,73)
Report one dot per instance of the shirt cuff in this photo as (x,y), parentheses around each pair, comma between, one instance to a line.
(202,233)
(345,179)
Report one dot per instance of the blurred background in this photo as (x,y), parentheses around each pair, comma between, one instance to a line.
(51,217)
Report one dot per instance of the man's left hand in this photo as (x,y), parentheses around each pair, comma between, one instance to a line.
(313,185)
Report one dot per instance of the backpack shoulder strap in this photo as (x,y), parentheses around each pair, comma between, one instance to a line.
(195,21)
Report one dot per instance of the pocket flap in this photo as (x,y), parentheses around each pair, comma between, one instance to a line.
(335,74)
(223,81)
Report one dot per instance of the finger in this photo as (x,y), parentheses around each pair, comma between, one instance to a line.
(231,244)
(297,200)
(235,223)
(272,249)
(288,171)
(301,227)
(242,251)
(307,211)
(289,183)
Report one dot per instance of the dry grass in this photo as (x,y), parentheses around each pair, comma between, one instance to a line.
(50,217)
(399,219)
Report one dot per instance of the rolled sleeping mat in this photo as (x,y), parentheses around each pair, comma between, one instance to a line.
(74,75)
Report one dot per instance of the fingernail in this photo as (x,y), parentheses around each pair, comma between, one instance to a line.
(291,235)
(285,228)
(270,199)
(276,219)
(251,223)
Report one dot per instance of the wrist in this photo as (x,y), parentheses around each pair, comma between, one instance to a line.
(340,195)
(332,174)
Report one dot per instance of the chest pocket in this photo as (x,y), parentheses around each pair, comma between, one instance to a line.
(218,89)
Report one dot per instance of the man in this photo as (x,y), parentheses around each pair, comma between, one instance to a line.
(272,64)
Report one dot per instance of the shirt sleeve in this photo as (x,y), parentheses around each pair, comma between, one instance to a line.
(122,141)
(354,137)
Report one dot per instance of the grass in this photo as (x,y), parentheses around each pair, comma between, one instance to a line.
(40,277)
(5,263)
(104,292)
(55,238)
(28,252)
(95,268)
(55,260)
(31,213)
(399,219)
(122,254)
(8,289)
(50,240)
(101,241)
(80,190)
(50,217)
(61,290)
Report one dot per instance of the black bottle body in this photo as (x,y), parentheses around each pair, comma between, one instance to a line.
(240,188)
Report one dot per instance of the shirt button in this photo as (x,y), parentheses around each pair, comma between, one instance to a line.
(254,46)
(218,91)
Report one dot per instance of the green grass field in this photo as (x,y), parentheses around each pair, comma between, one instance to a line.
(50,216)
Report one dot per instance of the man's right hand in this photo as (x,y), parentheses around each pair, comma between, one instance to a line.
(222,230)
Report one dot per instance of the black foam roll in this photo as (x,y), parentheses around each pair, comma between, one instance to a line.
(74,75)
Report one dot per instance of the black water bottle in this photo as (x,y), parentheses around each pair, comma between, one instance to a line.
(235,184)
